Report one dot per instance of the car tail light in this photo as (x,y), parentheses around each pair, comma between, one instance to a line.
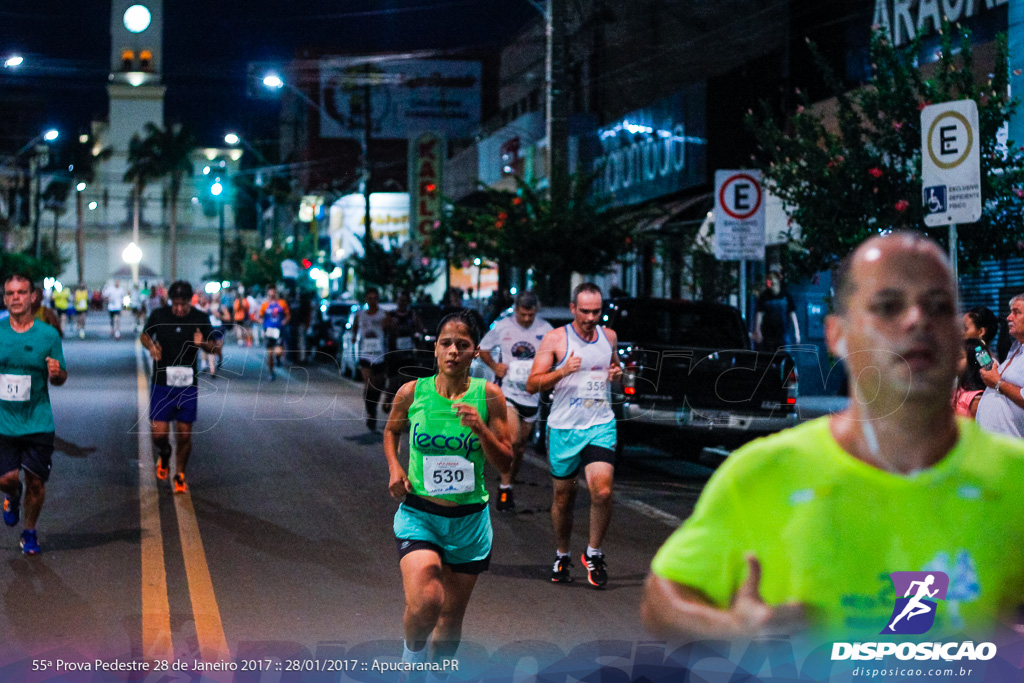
(792,386)
(630,370)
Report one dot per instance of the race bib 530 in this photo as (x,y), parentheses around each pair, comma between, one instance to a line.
(447,474)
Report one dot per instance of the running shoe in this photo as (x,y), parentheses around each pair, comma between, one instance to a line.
(12,510)
(30,542)
(560,572)
(506,501)
(162,470)
(179,483)
(597,574)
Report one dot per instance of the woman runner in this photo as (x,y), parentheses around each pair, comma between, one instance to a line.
(443,527)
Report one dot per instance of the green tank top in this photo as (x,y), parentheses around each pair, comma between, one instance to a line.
(446,459)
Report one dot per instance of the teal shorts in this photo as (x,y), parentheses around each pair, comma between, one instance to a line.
(569,450)
(461,535)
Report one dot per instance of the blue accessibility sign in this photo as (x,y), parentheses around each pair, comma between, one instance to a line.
(935,198)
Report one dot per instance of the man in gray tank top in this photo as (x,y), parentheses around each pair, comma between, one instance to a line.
(577,362)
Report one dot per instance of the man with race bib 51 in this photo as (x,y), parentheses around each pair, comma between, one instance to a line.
(31,358)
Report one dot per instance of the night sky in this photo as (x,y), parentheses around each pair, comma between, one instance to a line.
(209,44)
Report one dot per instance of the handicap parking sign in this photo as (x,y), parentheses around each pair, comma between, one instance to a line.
(935,198)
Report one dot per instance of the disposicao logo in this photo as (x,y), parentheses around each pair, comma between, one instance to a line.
(917,600)
(914,613)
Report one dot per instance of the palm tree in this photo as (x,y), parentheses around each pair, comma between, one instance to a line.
(142,169)
(168,151)
(84,160)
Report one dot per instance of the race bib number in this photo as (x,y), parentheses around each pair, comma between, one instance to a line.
(372,345)
(179,376)
(447,474)
(518,373)
(273,332)
(403,344)
(593,385)
(15,387)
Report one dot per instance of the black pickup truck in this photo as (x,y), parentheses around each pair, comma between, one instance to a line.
(689,366)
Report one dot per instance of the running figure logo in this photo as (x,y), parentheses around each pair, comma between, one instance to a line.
(914,613)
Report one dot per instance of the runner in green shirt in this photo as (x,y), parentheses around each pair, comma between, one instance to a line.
(31,358)
(803,528)
(443,526)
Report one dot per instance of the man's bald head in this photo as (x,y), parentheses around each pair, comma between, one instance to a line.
(872,250)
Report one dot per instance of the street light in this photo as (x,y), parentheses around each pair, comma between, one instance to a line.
(234,139)
(49,136)
(273,80)
(132,255)
(217,190)
(13,61)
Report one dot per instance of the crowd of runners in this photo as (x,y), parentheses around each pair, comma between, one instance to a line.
(747,563)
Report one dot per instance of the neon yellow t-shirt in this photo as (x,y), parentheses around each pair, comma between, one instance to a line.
(61,299)
(829,528)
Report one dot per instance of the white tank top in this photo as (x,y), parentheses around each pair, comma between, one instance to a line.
(371,335)
(580,400)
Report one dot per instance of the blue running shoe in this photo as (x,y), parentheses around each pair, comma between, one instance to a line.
(30,542)
(12,510)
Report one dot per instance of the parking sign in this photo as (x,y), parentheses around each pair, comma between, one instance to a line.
(739,216)
(950,163)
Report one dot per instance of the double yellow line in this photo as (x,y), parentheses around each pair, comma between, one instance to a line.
(157,638)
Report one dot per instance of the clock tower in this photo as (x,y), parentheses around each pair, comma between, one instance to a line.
(136,89)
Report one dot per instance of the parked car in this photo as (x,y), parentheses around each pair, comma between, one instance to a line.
(327,324)
(688,366)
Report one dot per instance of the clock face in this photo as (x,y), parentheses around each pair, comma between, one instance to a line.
(137,18)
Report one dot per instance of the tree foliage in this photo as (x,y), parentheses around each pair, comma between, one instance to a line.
(164,153)
(524,229)
(861,176)
(392,271)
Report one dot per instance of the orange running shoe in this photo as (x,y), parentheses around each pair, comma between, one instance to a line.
(179,483)
(161,470)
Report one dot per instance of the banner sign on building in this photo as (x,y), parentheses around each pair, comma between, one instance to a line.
(950,163)
(426,159)
(389,221)
(739,216)
(652,151)
(902,20)
(407,97)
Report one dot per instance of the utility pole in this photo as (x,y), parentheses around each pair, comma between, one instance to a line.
(367,162)
(37,243)
(557,105)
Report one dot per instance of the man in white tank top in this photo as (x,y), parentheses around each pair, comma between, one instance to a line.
(578,361)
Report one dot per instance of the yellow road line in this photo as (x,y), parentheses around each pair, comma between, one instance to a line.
(156,610)
(213,645)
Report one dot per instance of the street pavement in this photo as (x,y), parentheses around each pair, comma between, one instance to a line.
(281,558)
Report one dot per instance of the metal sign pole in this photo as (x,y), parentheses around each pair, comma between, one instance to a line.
(743,289)
(953,254)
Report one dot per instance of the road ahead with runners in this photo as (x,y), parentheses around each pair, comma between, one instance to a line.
(282,554)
